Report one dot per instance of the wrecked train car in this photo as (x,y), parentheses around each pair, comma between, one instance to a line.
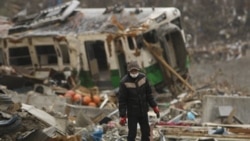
(97,43)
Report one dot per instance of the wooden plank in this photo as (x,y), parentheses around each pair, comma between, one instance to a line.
(158,57)
(226,125)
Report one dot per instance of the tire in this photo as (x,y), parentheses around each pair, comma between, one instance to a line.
(10,126)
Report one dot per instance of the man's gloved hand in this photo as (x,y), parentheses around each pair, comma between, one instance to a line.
(157,111)
(123,121)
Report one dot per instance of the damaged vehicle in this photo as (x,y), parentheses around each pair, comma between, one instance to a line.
(94,45)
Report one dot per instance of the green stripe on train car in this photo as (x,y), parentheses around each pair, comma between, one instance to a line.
(154,74)
(115,78)
(86,79)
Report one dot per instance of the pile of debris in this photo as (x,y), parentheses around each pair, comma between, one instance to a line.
(207,112)
(25,116)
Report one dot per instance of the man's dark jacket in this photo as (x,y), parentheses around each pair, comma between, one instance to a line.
(135,94)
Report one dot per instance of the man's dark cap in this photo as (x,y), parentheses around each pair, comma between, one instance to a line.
(133,65)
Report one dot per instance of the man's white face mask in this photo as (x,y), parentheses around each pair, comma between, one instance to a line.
(134,75)
(67,73)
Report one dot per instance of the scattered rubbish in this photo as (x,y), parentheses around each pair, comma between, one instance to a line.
(190,116)
(97,134)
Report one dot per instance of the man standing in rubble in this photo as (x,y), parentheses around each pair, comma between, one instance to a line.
(135,97)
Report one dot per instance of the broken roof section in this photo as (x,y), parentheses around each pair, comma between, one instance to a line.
(76,20)
(47,16)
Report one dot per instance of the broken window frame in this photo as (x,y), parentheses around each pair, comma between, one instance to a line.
(19,56)
(118,46)
(131,43)
(139,41)
(91,54)
(50,54)
(177,21)
(151,36)
(65,53)
(121,56)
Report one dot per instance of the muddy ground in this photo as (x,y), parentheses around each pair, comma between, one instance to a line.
(234,74)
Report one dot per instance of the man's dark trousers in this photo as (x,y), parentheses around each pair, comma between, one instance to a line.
(144,126)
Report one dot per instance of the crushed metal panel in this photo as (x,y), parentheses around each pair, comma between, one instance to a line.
(42,115)
(46,16)
(60,12)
